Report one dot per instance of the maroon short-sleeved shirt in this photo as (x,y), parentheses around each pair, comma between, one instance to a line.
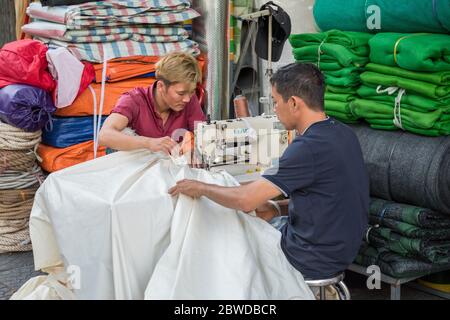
(139,107)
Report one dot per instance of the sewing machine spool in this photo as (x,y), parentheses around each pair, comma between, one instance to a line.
(241,109)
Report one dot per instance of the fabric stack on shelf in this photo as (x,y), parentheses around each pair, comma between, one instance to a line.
(407,84)
(404,87)
(409,232)
(341,57)
(406,240)
(97,30)
(123,40)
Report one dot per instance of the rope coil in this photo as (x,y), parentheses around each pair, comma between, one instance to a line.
(20,177)
(10,179)
(17,160)
(15,209)
(12,138)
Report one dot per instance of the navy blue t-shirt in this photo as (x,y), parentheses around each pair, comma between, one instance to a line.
(323,173)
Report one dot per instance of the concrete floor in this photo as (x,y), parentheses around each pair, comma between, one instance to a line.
(17,268)
(359,291)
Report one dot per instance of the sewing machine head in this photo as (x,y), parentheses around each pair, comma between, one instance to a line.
(243,145)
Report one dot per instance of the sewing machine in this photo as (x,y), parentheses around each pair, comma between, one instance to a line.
(244,147)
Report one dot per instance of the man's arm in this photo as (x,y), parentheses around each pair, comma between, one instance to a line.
(112,137)
(245,197)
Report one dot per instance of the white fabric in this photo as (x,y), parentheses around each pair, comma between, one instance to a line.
(67,71)
(45,29)
(51,287)
(54,14)
(113,218)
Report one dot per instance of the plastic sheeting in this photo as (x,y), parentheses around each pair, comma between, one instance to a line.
(25,107)
(113,221)
(69,131)
(54,159)
(25,62)
(84,104)
(67,71)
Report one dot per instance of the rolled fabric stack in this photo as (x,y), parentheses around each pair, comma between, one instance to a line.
(407,168)
(405,240)
(341,56)
(407,84)
(409,216)
(100,30)
(404,86)
(123,40)
(20,176)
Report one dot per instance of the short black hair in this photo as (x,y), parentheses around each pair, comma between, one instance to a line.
(303,80)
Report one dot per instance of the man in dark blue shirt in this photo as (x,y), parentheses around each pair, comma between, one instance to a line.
(322,172)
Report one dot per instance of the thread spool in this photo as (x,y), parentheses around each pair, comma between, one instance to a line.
(241,109)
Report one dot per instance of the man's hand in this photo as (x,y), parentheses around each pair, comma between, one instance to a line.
(191,188)
(164,144)
(266,211)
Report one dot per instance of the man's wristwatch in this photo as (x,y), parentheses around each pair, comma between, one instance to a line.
(276,206)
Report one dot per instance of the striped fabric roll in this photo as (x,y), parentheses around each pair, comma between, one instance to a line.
(96,52)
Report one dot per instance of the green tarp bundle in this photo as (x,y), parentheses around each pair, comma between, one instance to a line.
(423,107)
(421,103)
(426,89)
(416,52)
(335,48)
(437,252)
(395,16)
(337,106)
(440,78)
(395,265)
(341,57)
(381,115)
(416,217)
(411,231)
(354,42)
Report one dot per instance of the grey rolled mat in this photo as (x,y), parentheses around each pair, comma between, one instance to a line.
(407,168)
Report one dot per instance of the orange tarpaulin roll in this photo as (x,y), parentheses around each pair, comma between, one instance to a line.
(54,159)
(133,66)
(84,104)
(126,68)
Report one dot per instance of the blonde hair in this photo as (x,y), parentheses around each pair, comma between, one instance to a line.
(178,67)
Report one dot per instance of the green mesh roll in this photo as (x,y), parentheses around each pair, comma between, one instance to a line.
(396,16)
(416,52)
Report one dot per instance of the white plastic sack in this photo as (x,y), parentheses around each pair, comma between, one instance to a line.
(51,287)
(113,221)
(67,71)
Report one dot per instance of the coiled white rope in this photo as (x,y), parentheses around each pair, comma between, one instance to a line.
(12,138)
(10,179)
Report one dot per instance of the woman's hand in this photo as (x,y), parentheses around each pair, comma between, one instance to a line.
(164,144)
